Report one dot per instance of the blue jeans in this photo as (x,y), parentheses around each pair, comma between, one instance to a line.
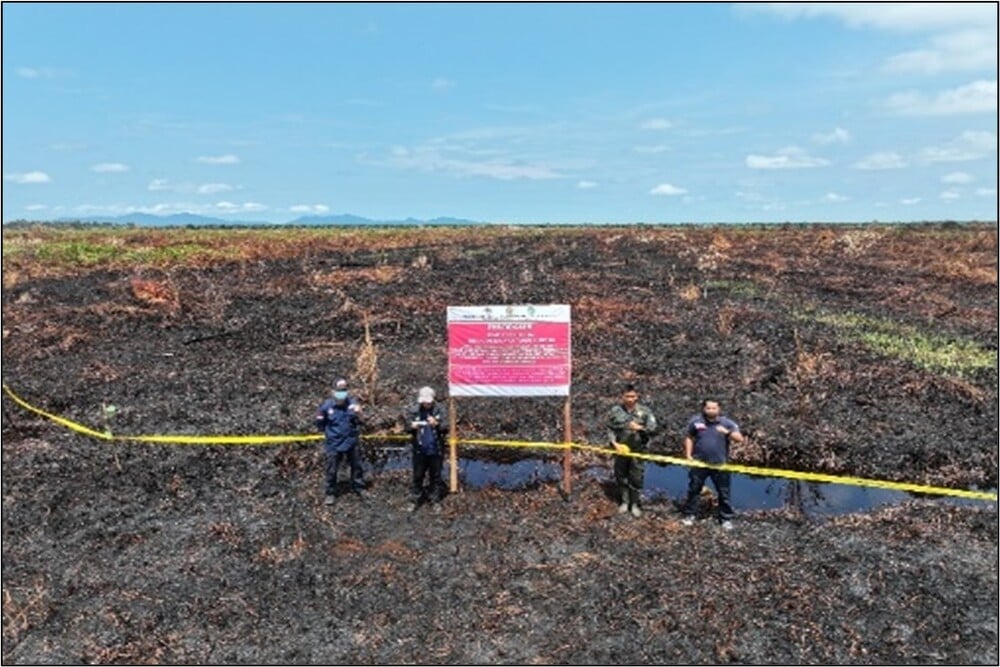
(720,480)
(333,460)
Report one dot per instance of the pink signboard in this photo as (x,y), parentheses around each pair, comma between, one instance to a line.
(509,350)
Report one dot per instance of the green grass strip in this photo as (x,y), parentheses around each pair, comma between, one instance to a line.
(929,351)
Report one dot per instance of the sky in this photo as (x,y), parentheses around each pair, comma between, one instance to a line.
(508,113)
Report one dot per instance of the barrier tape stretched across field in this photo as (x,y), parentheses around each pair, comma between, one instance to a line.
(604,451)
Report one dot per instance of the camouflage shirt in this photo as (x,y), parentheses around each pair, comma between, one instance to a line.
(618,430)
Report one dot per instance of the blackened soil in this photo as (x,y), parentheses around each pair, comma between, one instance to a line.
(133,553)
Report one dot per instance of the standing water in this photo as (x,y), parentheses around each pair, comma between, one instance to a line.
(668,483)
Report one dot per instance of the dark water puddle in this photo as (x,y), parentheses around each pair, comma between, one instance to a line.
(812,498)
(669,484)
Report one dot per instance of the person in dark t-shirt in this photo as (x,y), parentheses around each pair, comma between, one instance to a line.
(707,439)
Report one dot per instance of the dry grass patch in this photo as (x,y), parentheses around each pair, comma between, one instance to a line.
(689,293)
(349,275)
(159,294)
(856,242)
(23,608)
(277,555)
(366,366)
(964,269)
(726,320)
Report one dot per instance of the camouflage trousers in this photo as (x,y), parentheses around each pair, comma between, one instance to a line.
(630,474)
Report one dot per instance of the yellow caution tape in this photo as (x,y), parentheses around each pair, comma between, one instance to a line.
(604,451)
(810,476)
(182,439)
(513,443)
(73,426)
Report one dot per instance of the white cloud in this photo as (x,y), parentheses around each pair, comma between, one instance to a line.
(986,192)
(119,209)
(36,207)
(976,97)
(442,84)
(658,148)
(957,178)
(892,16)
(163,185)
(749,196)
(96,208)
(657,124)
(167,208)
(838,136)
(213,188)
(833,197)
(586,185)
(791,157)
(432,158)
(218,159)
(109,168)
(245,207)
(947,154)
(513,108)
(309,208)
(37,72)
(886,160)
(718,132)
(951,194)
(667,189)
(963,50)
(969,145)
(514,133)
(68,146)
(28,177)
(501,170)
(910,201)
(984,141)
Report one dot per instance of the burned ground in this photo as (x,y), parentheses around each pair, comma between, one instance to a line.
(867,351)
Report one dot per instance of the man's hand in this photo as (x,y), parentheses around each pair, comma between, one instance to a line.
(621,448)
(636,426)
(432,421)
(722,429)
(354,407)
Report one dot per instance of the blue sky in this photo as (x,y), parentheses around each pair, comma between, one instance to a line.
(518,113)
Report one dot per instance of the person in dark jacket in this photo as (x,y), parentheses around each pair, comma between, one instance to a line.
(340,419)
(630,426)
(427,424)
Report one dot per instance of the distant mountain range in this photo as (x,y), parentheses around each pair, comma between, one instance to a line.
(191,219)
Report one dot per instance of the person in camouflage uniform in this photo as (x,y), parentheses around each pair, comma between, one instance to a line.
(630,426)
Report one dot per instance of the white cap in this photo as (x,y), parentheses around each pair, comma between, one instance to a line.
(425,395)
